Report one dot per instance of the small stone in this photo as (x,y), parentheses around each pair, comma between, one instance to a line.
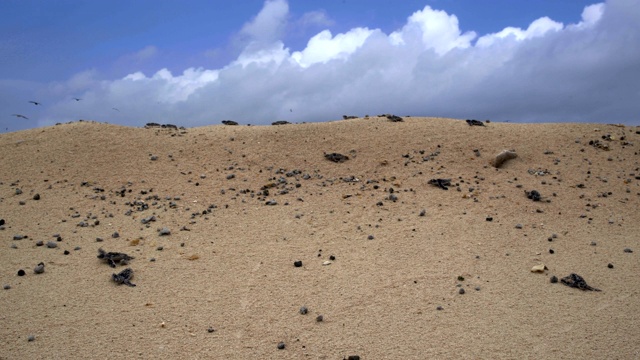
(551,251)
(518,226)
(160,248)
(593,243)
(439,308)
(18,237)
(271,203)
(21,272)
(52,245)
(489,218)
(303,310)
(152,259)
(31,338)
(164,232)
(610,266)
(115,235)
(539,268)
(353,357)
(461,291)
(66,252)
(332,258)
(281,345)
(554,279)
(39,243)
(460,278)
(423,212)
(628,250)
(6,287)
(319,318)
(210,329)
(370,237)
(297,263)
(36,197)
(39,269)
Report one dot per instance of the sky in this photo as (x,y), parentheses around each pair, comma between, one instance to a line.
(198,62)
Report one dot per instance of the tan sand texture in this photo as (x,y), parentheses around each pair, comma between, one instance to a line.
(223,285)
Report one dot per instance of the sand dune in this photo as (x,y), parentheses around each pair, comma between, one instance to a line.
(385,254)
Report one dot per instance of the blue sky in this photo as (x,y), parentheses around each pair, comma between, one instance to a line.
(194,63)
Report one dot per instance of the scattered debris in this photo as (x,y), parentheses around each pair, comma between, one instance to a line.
(533,195)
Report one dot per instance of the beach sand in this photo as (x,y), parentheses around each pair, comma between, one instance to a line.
(223,285)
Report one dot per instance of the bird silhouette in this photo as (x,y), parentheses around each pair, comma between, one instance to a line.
(76,99)
(35,103)
(20,116)
(116,109)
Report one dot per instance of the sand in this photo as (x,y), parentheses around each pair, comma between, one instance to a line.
(223,284)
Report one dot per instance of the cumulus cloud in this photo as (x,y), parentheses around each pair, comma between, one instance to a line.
(549,71)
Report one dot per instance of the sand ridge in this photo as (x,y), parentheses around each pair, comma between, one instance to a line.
(228,263)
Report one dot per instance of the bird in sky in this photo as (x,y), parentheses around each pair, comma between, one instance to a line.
(20,116)
(35,103)
(116,109)
(76,99)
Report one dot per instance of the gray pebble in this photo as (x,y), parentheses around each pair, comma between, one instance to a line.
(304,310)
(14,246)
(52,244)
(320,318)
(281,345)
(461,291)
(518,226)
(6,287)
(31,338)
(164,231)
(39,269)
(39,243)
(271,203)
(18,237)
(628,250)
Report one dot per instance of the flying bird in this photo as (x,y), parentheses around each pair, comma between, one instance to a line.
(77,99)
(116,109)
(35,103)
(20,116)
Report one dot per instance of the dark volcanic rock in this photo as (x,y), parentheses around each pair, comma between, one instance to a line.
(473,122)
(229,122)
(280,122)
(533,195)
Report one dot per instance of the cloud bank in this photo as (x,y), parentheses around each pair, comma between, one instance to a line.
(548,72)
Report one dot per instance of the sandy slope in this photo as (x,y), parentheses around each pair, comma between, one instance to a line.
(228,263)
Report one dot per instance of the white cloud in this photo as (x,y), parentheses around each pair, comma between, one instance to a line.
(547,72)
(323,47)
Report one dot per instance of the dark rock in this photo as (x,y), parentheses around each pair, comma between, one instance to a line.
(123,277)
(21,272)
(6,287)
(439,308)
(19,237)
(271,203)
(297,263)
(461,291)
(2,222)
(229,122)
(628,250)
(36,197)
(280,122)
(332,258)
(281,345)
(164,232)
(115,235)
(370,237)
(319,318)
(210,329)
(489,218)
(52,245)
(148,219)
(554,279)
(335,157)
(66,252)
(39,269)
(610,266)
(303,310)
(551,251)
(39,243)
(353,357)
